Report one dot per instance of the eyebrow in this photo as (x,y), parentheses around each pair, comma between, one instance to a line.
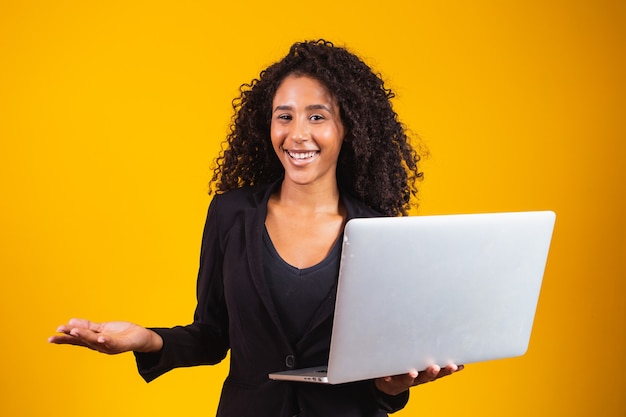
(309,107)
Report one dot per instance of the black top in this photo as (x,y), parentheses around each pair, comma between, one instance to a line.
(236,313)
(298,293)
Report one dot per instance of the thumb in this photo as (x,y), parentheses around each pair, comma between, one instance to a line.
(110,345)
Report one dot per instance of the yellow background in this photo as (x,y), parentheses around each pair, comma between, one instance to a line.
(111,114)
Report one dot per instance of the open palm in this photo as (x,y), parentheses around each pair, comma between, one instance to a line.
(108,337)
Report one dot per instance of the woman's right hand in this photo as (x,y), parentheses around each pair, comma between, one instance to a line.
(109,337)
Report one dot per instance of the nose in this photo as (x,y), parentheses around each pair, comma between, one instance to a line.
(300,132)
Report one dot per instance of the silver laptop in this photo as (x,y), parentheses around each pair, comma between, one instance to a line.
(417,291)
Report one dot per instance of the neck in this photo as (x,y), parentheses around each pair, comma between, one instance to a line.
(321,197)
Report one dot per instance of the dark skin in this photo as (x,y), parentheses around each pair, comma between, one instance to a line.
(118,337)
(305,217)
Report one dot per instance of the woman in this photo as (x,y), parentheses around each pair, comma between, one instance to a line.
(314,143)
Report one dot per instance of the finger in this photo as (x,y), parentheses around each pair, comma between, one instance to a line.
(64,328)
(66,340)
(96,341)
(434,372)
(88,338)
(78,323)
(428,375)
(449,370)
(401,382)
(85,324)
(109,345)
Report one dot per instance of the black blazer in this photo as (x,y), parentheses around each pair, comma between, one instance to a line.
(235,311)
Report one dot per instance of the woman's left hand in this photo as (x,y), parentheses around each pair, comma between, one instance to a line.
(394,385)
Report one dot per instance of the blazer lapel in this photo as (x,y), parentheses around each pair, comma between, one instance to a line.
(254,226)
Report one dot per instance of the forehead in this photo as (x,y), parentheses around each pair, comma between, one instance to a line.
(302,87)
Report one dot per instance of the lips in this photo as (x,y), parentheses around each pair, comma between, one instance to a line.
(301,155)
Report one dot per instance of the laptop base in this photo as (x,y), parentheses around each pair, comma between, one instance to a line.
(316,374)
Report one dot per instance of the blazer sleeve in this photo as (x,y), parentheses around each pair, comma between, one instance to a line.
(390,403)
(206,340)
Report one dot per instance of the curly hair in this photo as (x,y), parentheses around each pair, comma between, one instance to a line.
(377,163)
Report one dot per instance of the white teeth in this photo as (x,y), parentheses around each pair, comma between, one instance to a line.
(301,155)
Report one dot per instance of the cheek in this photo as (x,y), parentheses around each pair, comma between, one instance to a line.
(334,138)
(276,137)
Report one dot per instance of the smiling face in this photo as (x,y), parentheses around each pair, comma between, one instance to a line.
(306,131)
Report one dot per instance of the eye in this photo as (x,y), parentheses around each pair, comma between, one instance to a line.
(284,117)
(317,117)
